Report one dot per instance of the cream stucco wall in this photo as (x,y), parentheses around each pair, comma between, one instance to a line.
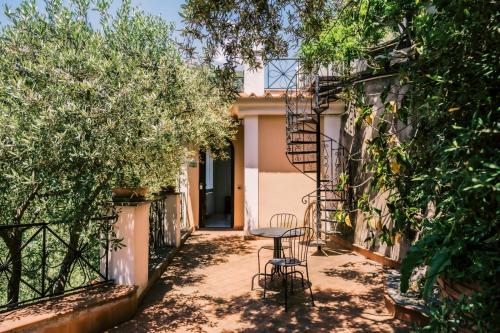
(239,181)
(281,186)
(193,197)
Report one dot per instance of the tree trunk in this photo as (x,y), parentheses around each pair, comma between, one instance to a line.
(13,240)
(69,259)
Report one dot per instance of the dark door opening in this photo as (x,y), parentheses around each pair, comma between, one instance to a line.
(217,190)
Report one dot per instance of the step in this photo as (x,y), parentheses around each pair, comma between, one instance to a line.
(329,221)
(322,107)
(299,142)
(331,232)
(300,131)
(330,209)
(307,120)
(303,162)
(301,152)
(300,114)
(329,78)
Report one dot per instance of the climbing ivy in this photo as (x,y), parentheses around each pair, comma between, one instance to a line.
(435,148)
(434,152)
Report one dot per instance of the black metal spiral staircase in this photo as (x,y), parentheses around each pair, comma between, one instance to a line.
(313,153)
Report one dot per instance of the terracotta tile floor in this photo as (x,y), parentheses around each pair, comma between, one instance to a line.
(207,289)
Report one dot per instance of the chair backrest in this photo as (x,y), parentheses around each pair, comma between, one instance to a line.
(283,220)
(299,240)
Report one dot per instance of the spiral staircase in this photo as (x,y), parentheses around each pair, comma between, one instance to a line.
(310,151)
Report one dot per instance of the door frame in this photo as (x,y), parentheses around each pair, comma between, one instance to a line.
(202,186)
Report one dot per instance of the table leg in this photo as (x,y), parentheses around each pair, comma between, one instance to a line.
(277,248)
(277,254)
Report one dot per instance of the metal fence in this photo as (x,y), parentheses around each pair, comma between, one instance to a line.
(41,260)
(161,217)
(280,73)
(157,216)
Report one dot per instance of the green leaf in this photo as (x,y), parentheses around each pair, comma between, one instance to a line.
(414,257)
(437,264)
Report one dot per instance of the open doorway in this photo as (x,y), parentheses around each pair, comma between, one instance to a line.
(217,190)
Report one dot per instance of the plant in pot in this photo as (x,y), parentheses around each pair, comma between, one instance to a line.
(129,185)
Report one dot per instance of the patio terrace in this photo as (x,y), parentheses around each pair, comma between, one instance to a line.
(207,289)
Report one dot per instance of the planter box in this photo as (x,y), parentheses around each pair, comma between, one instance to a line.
(129,193)
(453,289)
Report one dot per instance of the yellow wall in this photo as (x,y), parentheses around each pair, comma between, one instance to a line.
(281,186)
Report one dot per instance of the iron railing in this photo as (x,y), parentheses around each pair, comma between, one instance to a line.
(280,72)
(41,260)
(239,82)
(157,217)
(319,157)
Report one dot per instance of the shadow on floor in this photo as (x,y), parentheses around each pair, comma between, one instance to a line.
(179,302)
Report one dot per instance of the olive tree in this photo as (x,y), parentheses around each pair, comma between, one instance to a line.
(87,108)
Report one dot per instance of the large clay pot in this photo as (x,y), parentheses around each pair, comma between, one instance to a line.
(132,193)
(453,289)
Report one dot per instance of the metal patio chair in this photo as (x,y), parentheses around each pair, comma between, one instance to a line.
(296,255)
(280,220)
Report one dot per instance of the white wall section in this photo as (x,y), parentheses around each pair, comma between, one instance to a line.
(251,163)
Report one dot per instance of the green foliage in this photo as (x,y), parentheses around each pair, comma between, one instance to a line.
(84,109)
(436,143)
(447,157)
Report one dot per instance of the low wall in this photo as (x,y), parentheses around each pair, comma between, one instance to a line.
(91,310)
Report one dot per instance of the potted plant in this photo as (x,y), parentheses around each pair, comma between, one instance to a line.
(129,186)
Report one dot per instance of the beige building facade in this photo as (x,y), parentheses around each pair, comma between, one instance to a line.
(263,182)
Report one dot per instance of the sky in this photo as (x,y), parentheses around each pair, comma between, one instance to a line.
(168,9)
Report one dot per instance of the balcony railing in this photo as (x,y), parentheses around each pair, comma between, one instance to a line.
(41,260)
(280,74)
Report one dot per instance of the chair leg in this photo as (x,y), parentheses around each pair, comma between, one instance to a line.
(310,286)
(302,279)
(265,279)
(258,259)
(310,291)
(307,273)
(291,281)
(285,281)
(253,279)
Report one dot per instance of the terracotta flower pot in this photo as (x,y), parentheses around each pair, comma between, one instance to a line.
(454,289)
(130,192)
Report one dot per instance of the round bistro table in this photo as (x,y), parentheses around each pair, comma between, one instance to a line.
(277,235)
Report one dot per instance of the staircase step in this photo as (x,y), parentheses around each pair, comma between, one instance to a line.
(301,152)
(330,209)
(308,120)
(299,131)
(303,162)
(299,142)
(322,107)
(328,78)
(331,232)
